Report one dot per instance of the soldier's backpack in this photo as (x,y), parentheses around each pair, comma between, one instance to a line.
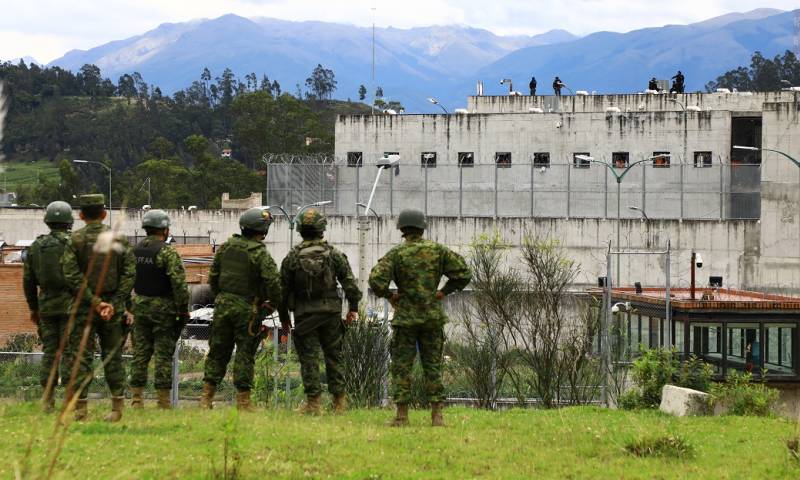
(48,263)
(315,275)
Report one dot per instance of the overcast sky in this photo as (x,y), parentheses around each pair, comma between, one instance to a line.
(46,29)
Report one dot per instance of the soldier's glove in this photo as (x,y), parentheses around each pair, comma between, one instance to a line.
(351,317)
(35,318)
(105,310)
(440,295)
(128,318)
(393,299)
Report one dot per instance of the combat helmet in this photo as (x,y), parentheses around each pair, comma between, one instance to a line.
(58,212)
(155,219)
(411,218)
(312,219)
(256,219)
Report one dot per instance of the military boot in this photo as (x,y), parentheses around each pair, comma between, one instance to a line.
(207,400)
(437,419)
(115,415)
(312,406)
(401,418)
(339,403)
(243,403)
(137,397)
(81,409)
(164,398)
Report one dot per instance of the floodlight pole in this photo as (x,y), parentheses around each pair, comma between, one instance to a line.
(363,233)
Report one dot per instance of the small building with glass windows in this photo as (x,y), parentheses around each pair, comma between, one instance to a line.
(729,329)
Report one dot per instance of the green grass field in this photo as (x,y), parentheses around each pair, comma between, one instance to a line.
(580,442)
(13,174)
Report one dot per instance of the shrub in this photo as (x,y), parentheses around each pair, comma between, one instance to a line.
(630,400)
(695,374)
(651,372)
(365,354)
(671,446)
(22,342)
(744,397)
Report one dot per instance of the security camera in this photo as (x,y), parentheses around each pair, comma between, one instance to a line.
(698,260)
(543,169)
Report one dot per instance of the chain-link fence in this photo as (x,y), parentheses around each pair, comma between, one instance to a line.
(564,188)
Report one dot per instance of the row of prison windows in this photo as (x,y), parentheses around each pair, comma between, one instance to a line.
(735,346)
(542,159)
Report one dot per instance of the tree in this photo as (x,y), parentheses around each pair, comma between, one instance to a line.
(379,92)
(763,75)
(90,79)
(126,87)
(362,92)
(322,82)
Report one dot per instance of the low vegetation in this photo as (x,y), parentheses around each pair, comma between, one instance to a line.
(574,442)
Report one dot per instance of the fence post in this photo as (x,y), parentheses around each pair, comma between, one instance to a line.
(644,186)
(605,191)
(460,190)
(496,173)
(425,167)
(358,183)
(275,343)
(721,190)
(288,392)
(175,374)
(391,193)
(682,188)
(533,176)
(266,189)
(569,189)
(385,382)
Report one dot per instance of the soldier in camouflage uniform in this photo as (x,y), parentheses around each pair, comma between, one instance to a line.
(416,266)
(106,263)
(308,278)
(48,300)
(244,278)
(160,307)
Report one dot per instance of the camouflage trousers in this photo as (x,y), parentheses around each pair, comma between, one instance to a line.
(406,341)
(155,331)
(51,330)
(111,335)
(233,320)
(326,339)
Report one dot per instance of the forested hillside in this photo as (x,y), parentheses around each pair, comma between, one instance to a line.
(131,126)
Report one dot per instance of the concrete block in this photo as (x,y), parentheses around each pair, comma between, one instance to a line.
(683,402)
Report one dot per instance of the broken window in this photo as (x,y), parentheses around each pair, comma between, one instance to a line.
(355,159)
(503,159)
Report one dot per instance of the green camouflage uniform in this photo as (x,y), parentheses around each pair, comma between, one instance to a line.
(157,324)
(46,293)
(243,276)
(416,267)
(318,315)
(116,290)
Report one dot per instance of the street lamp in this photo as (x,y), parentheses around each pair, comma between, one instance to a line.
(109,181)
(293,219)
(387,161)
(618,177)
(760,149)
(436,102)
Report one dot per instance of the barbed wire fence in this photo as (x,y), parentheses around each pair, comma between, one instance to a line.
(704,187)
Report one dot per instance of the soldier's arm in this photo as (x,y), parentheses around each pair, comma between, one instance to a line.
(381,276)
(456,270)
(345,276)
(169,259)
(271,279)
(127,275)
(74,276)
(30,283)
(213,273)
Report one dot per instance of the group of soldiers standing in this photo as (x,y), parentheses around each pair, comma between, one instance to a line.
(78,287)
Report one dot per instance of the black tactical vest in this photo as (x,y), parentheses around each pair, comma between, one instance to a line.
(151,280)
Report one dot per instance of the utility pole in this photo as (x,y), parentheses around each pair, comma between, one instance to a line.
(373,61)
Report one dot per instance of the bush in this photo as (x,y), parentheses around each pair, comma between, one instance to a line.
(744,397)
(630,400)
(668,445)
(651,372)
(365,354)
(22,342)
(695,374)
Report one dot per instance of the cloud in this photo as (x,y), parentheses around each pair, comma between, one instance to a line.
(48,28)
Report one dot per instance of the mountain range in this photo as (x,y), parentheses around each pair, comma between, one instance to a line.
(439,61)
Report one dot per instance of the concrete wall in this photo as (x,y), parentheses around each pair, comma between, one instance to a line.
(527,191)
(735,102)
